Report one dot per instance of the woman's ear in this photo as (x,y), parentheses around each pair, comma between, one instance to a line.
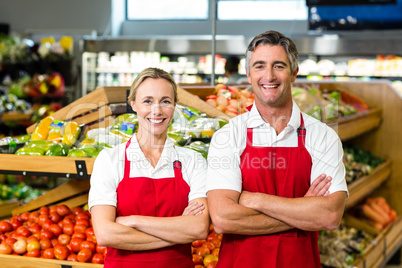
(132,103)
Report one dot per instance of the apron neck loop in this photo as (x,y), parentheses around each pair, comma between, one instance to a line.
(301,133)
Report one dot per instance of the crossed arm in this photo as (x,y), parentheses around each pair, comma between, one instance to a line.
(257,213)
(145,233)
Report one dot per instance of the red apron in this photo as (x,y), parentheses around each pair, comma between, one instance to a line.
(165,197)
(281,171)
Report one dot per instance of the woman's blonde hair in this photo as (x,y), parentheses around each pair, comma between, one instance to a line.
(151,73)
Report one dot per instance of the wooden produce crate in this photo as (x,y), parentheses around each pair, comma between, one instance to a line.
(362,187)
(6,207)
(11,261)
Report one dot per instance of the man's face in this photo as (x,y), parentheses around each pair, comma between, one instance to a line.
(270,75)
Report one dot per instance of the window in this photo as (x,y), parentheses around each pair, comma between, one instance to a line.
(262,10)
(167,10)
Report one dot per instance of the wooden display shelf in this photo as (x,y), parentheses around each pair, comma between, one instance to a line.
(384,246)
(355,125)
(12,261)
(60,166)
(362,187)
(15,116)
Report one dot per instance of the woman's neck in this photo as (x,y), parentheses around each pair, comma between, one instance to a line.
(151,145)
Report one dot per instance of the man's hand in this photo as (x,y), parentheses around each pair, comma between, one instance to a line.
(193,209)
(320,186)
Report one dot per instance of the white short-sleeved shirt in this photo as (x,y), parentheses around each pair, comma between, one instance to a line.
(108,170)
(228,144)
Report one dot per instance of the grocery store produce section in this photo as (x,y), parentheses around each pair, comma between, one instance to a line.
(366,116)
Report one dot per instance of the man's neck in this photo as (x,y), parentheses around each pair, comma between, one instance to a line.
(277,117)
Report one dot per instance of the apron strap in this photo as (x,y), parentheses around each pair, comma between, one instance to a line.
(177,169)
(126,162)
(301,133)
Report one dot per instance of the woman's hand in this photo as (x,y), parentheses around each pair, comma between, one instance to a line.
(194,208)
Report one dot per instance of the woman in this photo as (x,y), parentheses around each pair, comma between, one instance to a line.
(147,196)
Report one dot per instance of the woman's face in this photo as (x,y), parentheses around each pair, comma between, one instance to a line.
(154,104)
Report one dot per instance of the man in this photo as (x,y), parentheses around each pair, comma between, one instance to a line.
(265,189)
(232,70)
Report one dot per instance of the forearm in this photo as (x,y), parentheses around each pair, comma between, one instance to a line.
(306,213)
(230,217)
(112,234)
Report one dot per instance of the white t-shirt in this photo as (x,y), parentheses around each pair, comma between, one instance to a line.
(228,144)
(108,170)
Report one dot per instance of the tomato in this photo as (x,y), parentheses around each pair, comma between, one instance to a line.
(15,223)
(54,242)
(197,243)
(100,249)
(2,237)
(211,228)
(79,235)
(209,258)
(209,245)
(61,252)
(46,224)
(216,242)
(10,240)
(20,247)
(64,239)
(48,253)
(80,228)
(98,258)
(83,222)
(62,210)
(197,259)
(68,220)
(42,218)
(34,216)
(72,257)
(34,228)
(61,224)
(90,234)
(89,245)
(55,229)
(5,226)
(77,210)
(199,266)
(55,217)
(33,253)
(53,209)
(33,245)
(32,238)
(215,252)
(24,216)
(83,215)
(44,210)
(68,228)
(212,264)
(45,243)
(5,248)
(202,251)
(23,231)
(46,234)
(75,244)
(84,255)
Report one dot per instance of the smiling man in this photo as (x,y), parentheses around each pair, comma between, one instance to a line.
(275,174)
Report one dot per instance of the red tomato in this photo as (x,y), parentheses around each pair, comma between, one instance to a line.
(83,215)
(72,257)
(61,252)
(53,209)
(68,228)
(199,266)
(45,243)
(5,226)
(5,248)
(34,228)
(215,252)
(62,210)
(10,240)
(34,253)
(212,264)
(15,223)
(202,251)
(208,245)
(216,242)
(46,234)
(44,210)
(42,218)
(55,217)
(23,231)
(89,245)
(80,228)
(54,242)
(75,244)
(32,238)
(2,237)
(98,258)
(24,216)
(68,220)
(211,228)
(197,259)
(83,222)
(64,239)
(100,249)
(33,216)
(48,253)
(55,229)
(77,210)
(84,255)
(198,243)
(79,235)
(46,224)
